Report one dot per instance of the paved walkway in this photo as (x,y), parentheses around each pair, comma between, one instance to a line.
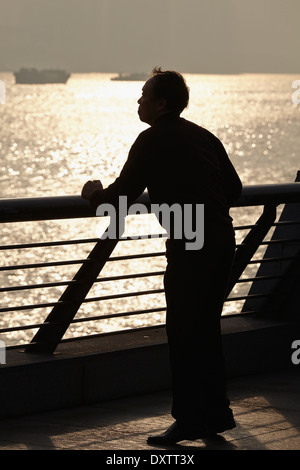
(266,409)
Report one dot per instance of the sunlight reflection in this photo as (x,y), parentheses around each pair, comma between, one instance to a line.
(56,137)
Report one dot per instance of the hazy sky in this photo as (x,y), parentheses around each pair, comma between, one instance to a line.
(209,36)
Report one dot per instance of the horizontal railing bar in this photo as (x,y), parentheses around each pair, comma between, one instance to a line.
(21,346)
(95,335)
(286,222)
(121,296)
(129,276)
(258,278)
(65,283)
(27,307)
(280,241)
(118,278)
(72,242)
(117,315)
(256,195)
(69,207)
(103,298)
(117,258)
(113,315)
(21,328)
(108,297)
(90,299)
(110,333)
(35,286)
(270,260)
(136,256)
(275,224)
(273,242)
(95,240)
(78,261)
(249,313)
(142,237)
(7,330)
(44,244)
(33,326)
(113,258)
(41,265)
(244,227)
(87,319)
(243,297)
(17,346)
(95,318)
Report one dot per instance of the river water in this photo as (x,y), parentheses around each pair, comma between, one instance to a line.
(55,137)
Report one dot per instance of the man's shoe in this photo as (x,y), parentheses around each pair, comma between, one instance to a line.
(176,433)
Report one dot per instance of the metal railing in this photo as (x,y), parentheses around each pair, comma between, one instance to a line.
(51,330)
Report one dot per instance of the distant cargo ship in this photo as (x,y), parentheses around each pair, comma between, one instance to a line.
(131,77)
(34,76)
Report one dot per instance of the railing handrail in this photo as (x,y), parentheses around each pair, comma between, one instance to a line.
(50,333)
(68,207)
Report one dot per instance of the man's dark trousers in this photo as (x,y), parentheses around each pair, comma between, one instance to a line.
(195,286)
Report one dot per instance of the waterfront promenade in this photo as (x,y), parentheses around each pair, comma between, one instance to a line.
(266,408)
(41,383)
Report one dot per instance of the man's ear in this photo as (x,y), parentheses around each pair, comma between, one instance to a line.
(162,104)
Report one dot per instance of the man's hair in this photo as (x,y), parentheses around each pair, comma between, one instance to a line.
(171,86)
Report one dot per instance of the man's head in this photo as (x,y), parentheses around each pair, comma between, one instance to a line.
(163,93)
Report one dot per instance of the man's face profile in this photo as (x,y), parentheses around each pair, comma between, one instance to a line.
(150,107)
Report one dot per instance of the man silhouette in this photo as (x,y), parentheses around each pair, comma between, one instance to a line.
(182,163)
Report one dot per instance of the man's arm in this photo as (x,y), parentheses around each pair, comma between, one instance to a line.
(232,183)
(132,180)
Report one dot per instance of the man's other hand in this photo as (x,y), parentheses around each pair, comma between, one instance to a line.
(90,187)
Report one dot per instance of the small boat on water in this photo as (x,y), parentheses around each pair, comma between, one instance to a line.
(35,76)
(131,77)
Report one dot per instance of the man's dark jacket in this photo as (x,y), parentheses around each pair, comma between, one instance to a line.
(178,162)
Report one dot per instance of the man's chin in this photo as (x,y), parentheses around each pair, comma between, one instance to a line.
(141,117)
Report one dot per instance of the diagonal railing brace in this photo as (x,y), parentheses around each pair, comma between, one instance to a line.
(56,324)
(250,244)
